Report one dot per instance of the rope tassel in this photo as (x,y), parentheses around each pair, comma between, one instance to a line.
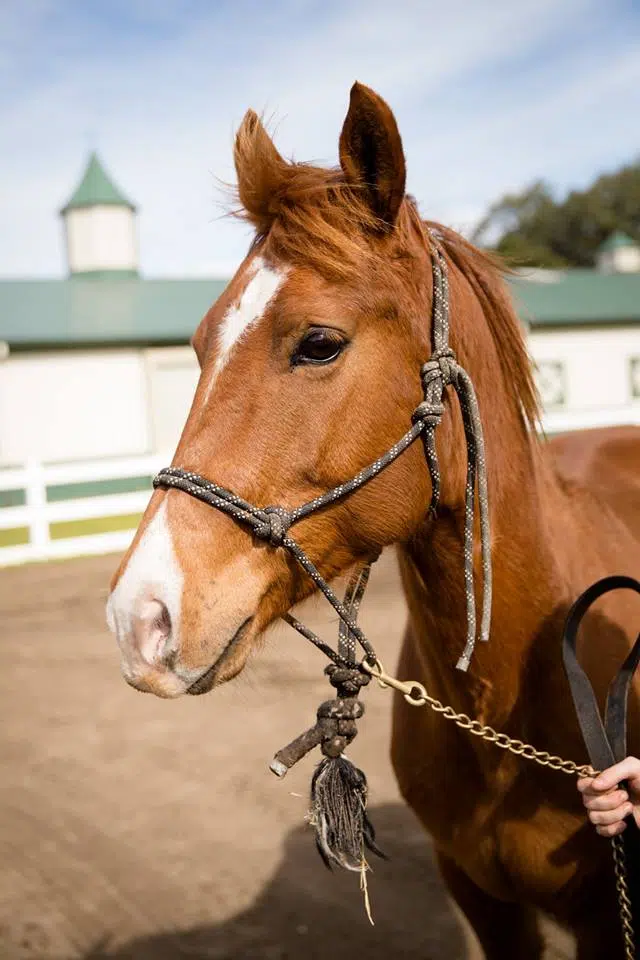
(339,814)
(338,808)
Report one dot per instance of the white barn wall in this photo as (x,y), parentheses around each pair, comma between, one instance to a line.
(172,375)
(63,405)
(76,405)
(597,363)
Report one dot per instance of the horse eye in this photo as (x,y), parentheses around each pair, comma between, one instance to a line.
(319,346)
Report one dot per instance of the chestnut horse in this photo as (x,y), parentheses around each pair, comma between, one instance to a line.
(310,367)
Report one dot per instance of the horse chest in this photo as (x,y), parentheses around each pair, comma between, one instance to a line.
(525,857)
(502,834)
(501,850)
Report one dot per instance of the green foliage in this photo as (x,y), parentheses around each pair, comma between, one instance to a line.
(536,230)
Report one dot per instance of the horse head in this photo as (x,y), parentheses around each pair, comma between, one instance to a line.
(310,370)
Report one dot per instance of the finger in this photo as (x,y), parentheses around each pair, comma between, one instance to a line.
(588,790)
(605,801)
(607,817)
(611,831)
(585,784)
(627,769)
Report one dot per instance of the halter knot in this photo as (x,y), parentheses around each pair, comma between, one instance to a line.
(273,525)
(437,373)
(442,366)
(347,680)
(337,723)
(430,414)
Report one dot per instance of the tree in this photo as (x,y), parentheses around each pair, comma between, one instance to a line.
(534,229)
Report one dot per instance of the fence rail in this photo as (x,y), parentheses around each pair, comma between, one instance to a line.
(43,518)
(62,510)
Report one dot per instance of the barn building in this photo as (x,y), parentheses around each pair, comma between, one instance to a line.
(97,364)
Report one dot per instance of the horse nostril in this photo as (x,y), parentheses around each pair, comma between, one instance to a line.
(162,619)
(153,631)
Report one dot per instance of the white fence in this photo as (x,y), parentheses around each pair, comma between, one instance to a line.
(36,485)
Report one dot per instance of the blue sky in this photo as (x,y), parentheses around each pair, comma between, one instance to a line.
(489,95)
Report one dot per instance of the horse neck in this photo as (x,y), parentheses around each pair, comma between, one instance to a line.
(524,574)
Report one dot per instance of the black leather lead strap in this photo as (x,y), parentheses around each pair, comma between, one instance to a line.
(606,741)
(617,701)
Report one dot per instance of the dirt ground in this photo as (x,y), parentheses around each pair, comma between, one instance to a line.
(138,829)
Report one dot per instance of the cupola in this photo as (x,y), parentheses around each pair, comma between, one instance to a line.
(100,227)
(618,254)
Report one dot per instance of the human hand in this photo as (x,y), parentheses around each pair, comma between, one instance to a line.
(607,804)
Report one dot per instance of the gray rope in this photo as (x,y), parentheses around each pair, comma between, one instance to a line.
(440,371)
(352,599)
(346,654)
(336,718)
(272,524)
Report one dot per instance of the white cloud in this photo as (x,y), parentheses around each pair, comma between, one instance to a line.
(488,97)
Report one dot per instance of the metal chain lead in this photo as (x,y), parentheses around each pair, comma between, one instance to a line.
(624,901)
(416,695)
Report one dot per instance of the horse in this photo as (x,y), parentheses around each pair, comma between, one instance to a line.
(310,368)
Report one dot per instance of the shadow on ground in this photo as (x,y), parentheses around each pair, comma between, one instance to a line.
(308,912)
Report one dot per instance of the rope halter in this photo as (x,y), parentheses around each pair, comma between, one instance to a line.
(272,524)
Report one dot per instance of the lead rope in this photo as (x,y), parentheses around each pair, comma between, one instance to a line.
(624,900)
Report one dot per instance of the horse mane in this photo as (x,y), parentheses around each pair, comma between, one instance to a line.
(485,273)
(311,216)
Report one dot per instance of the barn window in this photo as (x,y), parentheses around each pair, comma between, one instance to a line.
(551,379)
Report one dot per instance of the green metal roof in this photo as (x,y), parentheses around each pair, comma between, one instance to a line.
(79,311)
(574,297)
(615,241)
(124,309)
(96,188)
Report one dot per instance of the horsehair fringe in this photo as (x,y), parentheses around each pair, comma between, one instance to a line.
(273,523)
(339,814)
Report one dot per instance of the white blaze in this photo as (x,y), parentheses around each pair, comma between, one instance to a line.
(256,297)
(152,573)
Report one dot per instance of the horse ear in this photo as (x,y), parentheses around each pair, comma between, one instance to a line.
(260,170)
(371,154)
